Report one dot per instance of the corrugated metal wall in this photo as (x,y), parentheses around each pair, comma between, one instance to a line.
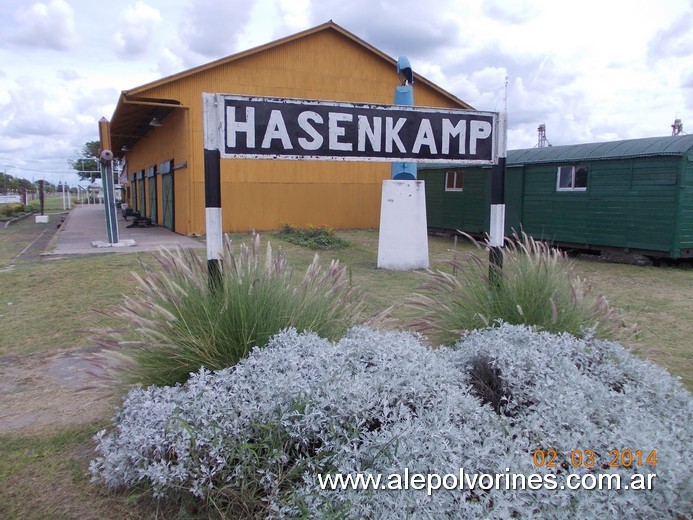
(260,193)
(165,143)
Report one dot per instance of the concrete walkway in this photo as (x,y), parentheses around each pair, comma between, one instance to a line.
(85,226)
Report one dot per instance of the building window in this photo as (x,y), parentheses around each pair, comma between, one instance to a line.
(571,178)
(454,181)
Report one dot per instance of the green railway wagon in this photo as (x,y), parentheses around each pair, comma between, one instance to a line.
(633,196)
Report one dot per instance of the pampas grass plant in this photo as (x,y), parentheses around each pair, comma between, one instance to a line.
(536,286)
(180,323)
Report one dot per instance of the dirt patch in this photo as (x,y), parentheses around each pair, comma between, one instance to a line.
(62,389)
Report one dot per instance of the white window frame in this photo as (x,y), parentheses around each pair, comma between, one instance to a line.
(572,179)
(457,173)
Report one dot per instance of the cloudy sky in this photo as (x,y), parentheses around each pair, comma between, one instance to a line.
(594,70)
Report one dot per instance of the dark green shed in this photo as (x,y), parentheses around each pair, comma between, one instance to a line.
(633,196)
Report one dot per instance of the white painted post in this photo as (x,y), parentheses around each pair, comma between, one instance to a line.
(403,234)
(497,220)
(212,121)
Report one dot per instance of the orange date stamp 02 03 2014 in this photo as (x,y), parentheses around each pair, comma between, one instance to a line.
(588,458)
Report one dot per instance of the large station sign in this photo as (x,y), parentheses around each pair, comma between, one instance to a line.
(280,128)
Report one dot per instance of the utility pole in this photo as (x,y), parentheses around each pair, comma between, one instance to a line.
(106,161)
(41,196)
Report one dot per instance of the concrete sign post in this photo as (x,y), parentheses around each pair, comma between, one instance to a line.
(403,232)
(403,236)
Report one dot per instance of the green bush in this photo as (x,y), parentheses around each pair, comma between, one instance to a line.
(537,286)
(312,237)
(8,211)
(181,324)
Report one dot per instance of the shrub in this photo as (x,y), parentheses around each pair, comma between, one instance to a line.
(180,324)
(8,211)
(252,440)
(312,237)
(537,286)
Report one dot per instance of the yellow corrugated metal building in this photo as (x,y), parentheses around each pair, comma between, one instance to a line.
(157,128)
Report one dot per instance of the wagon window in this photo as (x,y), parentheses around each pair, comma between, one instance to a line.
(454,181)
(571,178)
(580,177)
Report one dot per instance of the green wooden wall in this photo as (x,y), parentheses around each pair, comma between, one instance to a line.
(466,210)
(685,216)
(629,203)
(641,204)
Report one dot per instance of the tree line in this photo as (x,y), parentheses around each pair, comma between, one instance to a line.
(85,164)
(10,184)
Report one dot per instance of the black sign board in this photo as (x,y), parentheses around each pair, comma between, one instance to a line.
(272,128)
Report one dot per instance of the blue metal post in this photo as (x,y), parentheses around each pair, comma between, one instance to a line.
(404,95)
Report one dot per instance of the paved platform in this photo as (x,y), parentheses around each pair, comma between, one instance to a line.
(85,226)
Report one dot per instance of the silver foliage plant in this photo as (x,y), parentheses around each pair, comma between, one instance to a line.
(380,402)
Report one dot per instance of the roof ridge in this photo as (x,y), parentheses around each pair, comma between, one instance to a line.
(329,25)
(624,148)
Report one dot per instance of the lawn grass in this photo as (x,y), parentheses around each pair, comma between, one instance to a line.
(16,238)
(660,301)
(47,305)
(45,476)
(52,203)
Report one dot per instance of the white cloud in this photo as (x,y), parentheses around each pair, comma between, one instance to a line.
(408,27)
(590,71)
(513,11)
(294,14)
(137,26)
(49,25)
(68,74)
(211,28)
(35,109)
(169,62)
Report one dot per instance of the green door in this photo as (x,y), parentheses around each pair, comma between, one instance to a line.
(167,200)
(140,196)
(152,198)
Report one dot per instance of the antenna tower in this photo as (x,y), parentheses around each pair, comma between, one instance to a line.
(542,141)
(677,127)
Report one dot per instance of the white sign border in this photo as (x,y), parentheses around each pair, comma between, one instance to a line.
(214,130)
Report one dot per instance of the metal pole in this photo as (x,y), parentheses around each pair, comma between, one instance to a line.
(108,197)
(106,166)
(404,95)
(41,195)
(497,224)
(212,166)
